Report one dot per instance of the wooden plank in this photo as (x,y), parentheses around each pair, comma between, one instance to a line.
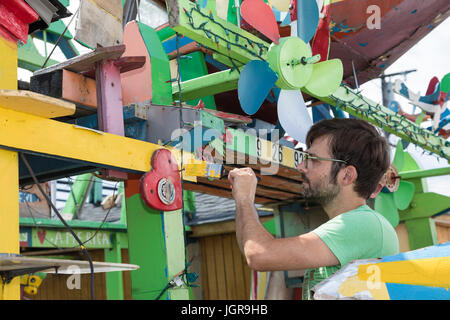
(109,98)
(217,191)
(220,267)
(180,12)
(9,217)
(239,271)
(86,62)
(79,89)
(35,104)
(137,84)
(274,182)
(99,23)
(15,16)
(22,131)
(261,191)
(211,269)
(217,228)
(113,7)
(228,264)
(8,64)
(247,280)
(204,273)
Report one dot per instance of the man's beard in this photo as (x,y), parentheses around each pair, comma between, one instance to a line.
(323,193)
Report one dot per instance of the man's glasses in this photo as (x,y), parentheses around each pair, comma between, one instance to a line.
(305,156)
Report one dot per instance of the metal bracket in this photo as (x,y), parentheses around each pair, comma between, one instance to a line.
(8,275)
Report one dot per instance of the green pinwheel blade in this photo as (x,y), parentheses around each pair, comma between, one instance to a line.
(385,205)
(326,78)
(399,156)
(445,83)
(403,196)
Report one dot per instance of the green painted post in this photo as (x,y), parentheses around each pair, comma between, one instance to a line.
(193,66)
(175,251)
(114,280)
(210,84)
(76,196)
(123,209)
(422,233)
(161,84)
(156,244)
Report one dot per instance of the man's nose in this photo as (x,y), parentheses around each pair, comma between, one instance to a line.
(301,167)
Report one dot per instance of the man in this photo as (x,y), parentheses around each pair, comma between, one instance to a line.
(345,160)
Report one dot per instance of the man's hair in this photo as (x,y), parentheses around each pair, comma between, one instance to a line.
(359,144)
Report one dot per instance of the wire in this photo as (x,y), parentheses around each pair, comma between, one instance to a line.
(82,247)
(59,39)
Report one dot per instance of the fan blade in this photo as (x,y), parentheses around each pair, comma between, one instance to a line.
(282,5)
(321,41)
(398,157)
(445,83)
(385,205)
(433,97)
(286,21)
(254,84)
(261,17)
(292,114)
(403,196)
(307,19)
(432,86)
(326,77)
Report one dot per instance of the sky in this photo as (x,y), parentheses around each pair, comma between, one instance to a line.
(430,57)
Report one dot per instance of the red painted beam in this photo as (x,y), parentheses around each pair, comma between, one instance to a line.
(15,16)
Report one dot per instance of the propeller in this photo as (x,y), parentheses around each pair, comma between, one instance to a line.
(396,194)
(435,101)
(291,64)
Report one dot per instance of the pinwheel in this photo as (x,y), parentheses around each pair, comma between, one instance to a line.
(291,64)
(396,193)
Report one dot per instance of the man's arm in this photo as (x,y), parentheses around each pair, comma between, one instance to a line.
(262,251)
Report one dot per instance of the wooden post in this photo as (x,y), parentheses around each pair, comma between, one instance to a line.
(9,217)
(109,104)
(9,179)
(156,244)
(114,280)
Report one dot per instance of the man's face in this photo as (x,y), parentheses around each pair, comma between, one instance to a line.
(317,181)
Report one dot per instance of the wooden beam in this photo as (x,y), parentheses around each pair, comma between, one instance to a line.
(35,103)
(86,62)
(216,228)
(207,85)
(198,24)
(9,217)
(25,132)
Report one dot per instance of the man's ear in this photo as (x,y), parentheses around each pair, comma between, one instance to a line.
(349,175)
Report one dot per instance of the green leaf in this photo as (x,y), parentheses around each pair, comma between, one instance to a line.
(385,205)
(398,158)
(404,194)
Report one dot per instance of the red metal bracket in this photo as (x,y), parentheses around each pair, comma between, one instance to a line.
(160,188)
(15,16)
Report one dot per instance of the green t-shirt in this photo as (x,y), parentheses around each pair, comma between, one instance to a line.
(361,233)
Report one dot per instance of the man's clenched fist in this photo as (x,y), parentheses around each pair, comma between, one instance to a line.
(243,182)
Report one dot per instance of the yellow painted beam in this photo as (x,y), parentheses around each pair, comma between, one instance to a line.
(9,217)
(27,132)
(35,103)
(8,64)
(9,179)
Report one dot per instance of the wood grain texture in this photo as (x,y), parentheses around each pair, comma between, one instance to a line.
(225,273)
(35,103)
